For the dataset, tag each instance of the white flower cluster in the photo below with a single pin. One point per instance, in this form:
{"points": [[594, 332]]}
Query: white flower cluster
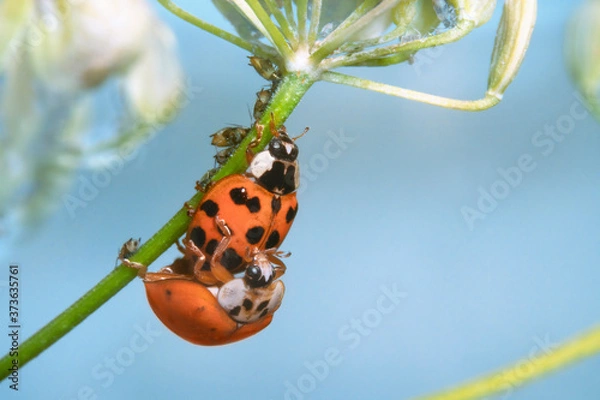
{"points": [[55, 55]]}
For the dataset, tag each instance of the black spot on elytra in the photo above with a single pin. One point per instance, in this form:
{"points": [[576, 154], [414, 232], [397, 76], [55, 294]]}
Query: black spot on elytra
{"points": [[253, 205], [238, 195], [262, 305], [262, 314], [273, 240], [254, 235], [168, 292], [206, 266], [291, 214], [211, 246], [198, 236], [276, 204], [235, 311], [210, 208], [231, 260], [247, 304]]}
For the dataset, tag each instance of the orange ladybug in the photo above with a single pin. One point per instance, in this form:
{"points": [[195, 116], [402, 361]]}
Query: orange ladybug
{"points": [[237, 228], [213, 315], [258, 207]]}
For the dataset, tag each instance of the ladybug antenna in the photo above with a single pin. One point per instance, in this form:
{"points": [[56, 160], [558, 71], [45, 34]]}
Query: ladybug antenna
{"points": [[302, 134]]}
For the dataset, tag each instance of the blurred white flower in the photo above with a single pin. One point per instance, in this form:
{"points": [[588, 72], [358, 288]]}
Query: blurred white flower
{"points": [[582, 48], [54, 54]]}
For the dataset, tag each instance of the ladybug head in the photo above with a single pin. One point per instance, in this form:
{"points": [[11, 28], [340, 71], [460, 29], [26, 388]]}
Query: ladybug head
{"points": [[282, 147], [255, 277], [260, 273]]}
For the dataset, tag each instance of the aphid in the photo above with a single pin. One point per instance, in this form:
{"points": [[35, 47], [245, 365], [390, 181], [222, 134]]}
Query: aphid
{"points": [[262, 101], [265, 68], [229, 136], [223, 155]]}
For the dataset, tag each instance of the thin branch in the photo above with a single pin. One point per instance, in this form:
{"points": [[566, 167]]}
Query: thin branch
{"points": [[488, 101], [284, 24], [302, 10], [349, 28], [289, 12], [461, 29], [509, 378], [249, 14], [315, 20], [377, 41], [258, 49], [386, 61], [269, 29]]}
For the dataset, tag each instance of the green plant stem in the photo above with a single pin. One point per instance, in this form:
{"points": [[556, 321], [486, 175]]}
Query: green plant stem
{"points": [[289, 13], [272, 32], [465, 105], [302, 10], [525, 371], [315, 21], [462, 28], [284, 24], [291, 90], [258, 49], [351, 26]]}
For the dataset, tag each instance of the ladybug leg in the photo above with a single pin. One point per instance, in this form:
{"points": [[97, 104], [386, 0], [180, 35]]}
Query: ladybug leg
{"points": [[259, 132], [218, 270], [282, 254], [278, 265], [249, 255], [191, 248], [142, 269], [178, 270], [180, 247]]}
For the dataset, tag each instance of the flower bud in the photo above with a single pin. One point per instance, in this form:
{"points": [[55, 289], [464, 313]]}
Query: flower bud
{"points": [[512, 40], [82, 43], [479, 11], [418, 17], [13, 14]]}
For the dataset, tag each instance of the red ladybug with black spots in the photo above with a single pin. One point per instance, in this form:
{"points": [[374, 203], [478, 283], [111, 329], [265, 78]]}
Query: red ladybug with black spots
{"points": [[258, 208]]}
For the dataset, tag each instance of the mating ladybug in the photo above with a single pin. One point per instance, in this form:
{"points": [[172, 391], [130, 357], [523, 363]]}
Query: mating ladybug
{"points": [[258, 207], [213, 315], [237, 228], [192, 311]]}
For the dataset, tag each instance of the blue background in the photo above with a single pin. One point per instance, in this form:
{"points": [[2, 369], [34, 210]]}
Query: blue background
{"points": [[387, 212]]}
